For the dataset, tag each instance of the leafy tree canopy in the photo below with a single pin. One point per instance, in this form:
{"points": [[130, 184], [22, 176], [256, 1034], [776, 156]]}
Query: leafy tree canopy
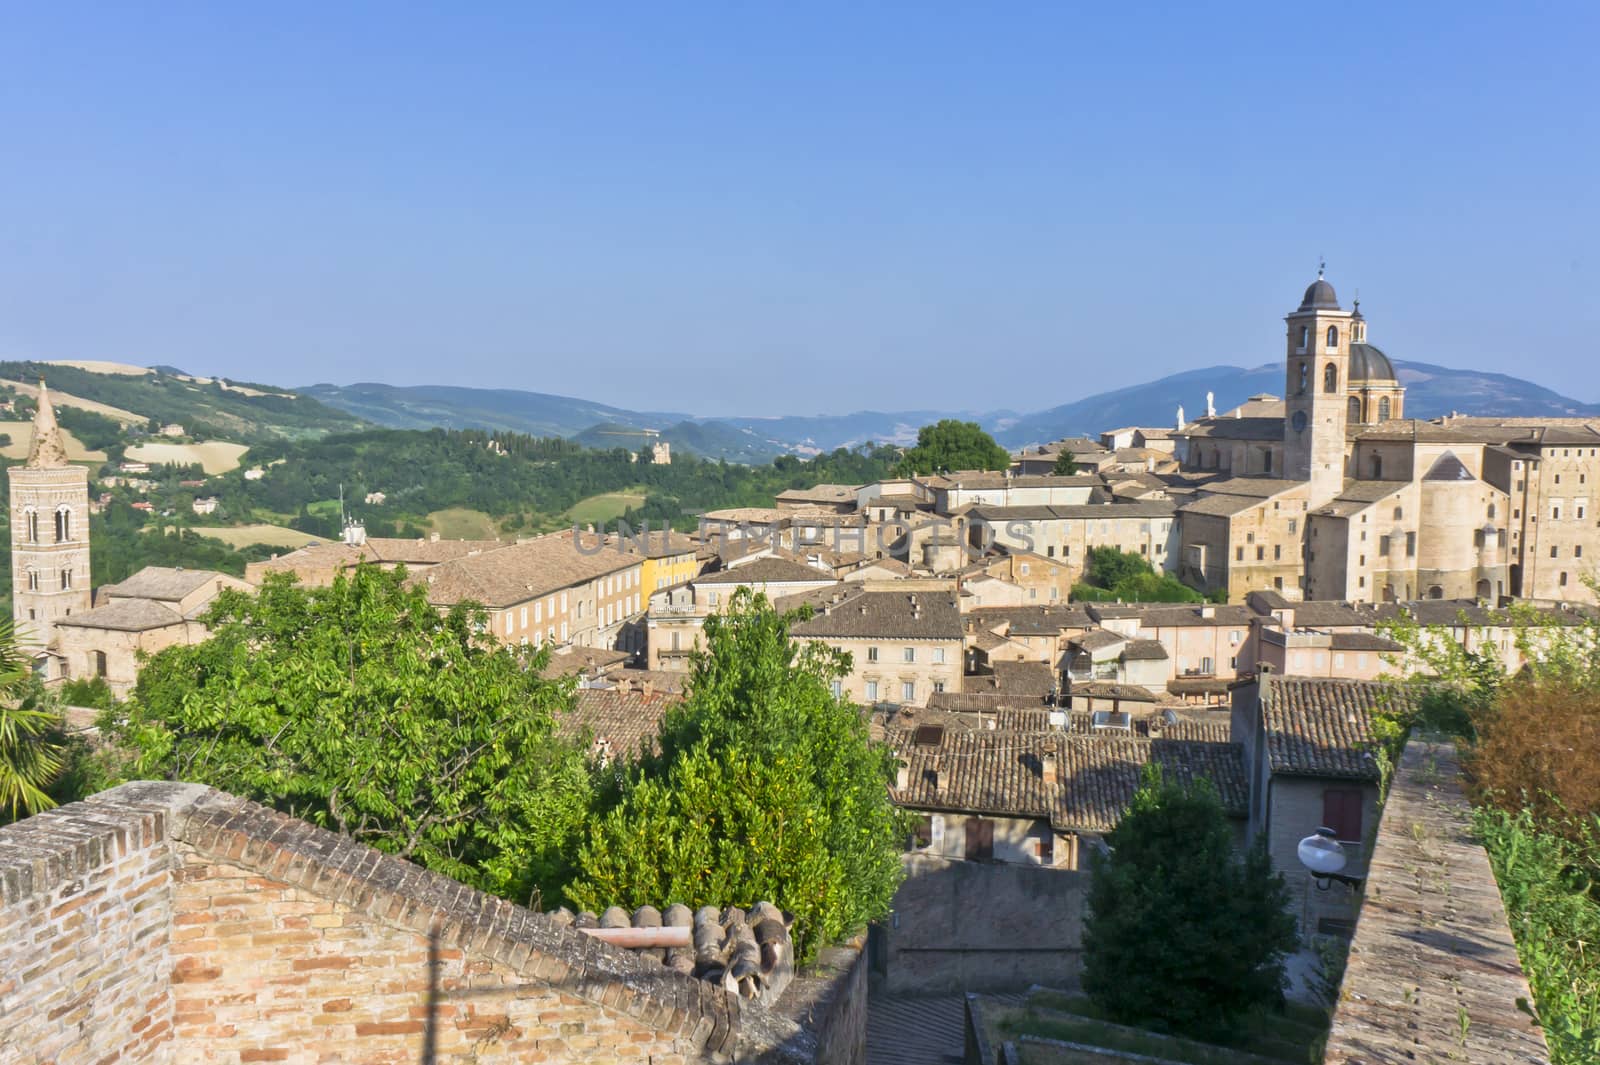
{"points": [[1121, 575], [953, 445], [764, 786], [1182, 929], [1065, 465], [363, 709]]}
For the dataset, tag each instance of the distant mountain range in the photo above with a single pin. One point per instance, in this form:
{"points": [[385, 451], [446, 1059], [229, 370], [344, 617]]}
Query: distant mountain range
{"points": [[249, 412], [1431, 391]]}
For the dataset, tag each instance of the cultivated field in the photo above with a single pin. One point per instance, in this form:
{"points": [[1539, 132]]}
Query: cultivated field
{"points": [[237, 536], [122, 369], [66, 399], [214, 456], [605, 507], [460, 523], [21, 434]]}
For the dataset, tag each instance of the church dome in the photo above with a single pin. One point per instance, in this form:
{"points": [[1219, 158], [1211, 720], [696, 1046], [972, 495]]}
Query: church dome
{"points": [[1320, 297], [1367, 363]]}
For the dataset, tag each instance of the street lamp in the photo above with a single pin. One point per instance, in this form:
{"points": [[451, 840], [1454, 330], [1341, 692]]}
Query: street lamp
{"points": [[1321, 853]]}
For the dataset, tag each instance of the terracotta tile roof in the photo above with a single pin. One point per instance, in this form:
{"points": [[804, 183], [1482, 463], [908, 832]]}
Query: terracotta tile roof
{"points": [[1103, 689], [571, 661], [767, 570], [747, 952], [1030, 620], [1144, 651], [1173, 615], [986, 711], [1318, 727], [524, 571], [1247, 428], [164, 583], [1098, 640], [1001, 773], [617, 720], [894, 615], [125, 615], [423, 552], [1023, 679]]}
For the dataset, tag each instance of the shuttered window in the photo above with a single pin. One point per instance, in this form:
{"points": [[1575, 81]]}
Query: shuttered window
{"points": [[980, 840], [1341, 811]]}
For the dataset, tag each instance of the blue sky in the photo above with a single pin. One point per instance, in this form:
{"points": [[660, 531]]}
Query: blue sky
{"points": [[800, 208]]}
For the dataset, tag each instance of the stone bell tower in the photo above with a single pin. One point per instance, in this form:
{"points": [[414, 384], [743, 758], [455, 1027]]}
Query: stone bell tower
{"points": [[1316, 402], [49, 534]]}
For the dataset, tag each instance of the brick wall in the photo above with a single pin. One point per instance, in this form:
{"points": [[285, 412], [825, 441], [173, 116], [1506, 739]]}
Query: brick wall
{"points": [[265, 971], [173, 923], [85, 906]]}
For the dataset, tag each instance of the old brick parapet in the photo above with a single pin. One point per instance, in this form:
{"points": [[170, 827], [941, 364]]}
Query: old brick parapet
{"points": [[1433, 973], [219, 930]]}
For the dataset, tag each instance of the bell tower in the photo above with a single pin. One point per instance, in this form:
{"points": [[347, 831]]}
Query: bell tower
{"points": [[1316, 400], [49, 534]]}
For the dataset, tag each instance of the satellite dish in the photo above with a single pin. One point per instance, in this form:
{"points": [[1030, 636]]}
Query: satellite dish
{"points": [[1321, 853]]}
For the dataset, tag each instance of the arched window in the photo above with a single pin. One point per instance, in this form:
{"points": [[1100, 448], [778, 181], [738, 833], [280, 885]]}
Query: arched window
{"points": [[1305, 376], [1384, 408], [33, 580], [1330, 378], [1377, 467], [1491, 510], [1355, 409], [1333, 337], [1305, 337], [66, 579], [63, 525], [33, 526]]}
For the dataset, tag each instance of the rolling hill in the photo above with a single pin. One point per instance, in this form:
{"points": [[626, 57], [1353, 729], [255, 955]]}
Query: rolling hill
{"points": [[1431, 391], [208, 407], [452, 407]]}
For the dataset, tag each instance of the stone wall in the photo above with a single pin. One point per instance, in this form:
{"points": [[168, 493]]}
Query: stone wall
{"points": [[980, 926], [1433, 972], [171, 922]]}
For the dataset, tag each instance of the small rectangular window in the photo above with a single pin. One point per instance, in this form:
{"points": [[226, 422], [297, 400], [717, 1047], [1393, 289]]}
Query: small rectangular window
{"points": [[872, 654], [908, 691], [872, 691], [909, 654]]}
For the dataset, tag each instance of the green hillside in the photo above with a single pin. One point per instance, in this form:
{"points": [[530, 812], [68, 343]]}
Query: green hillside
{"points": [[207, 409]]}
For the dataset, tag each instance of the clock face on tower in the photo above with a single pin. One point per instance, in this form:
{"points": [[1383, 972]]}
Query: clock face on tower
{"points": [[1298, 421]]}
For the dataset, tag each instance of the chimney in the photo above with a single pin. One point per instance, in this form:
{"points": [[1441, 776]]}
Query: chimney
{"points": [[433, 538], [1208, 611], [1047, 770], [902, 776]]}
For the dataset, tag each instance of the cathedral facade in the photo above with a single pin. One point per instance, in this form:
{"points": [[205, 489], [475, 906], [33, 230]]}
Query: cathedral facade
{"points": [[1333, 493]]}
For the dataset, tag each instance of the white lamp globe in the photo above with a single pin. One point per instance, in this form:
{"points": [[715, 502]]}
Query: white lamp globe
{"points": [[1321, 853]]}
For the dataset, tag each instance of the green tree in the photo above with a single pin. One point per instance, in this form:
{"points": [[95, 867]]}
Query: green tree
{"points": [[764, 786], [31, 752], [1114, 574], [1065, 465], [363, 709], [1182, 930], [951, 445]]}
